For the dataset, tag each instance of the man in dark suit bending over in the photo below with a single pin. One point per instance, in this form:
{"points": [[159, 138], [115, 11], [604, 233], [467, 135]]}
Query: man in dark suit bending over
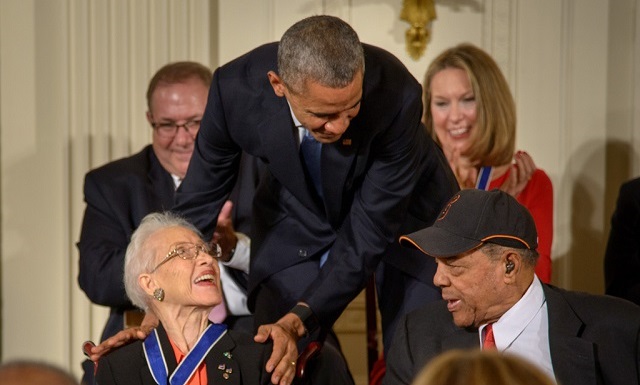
{"points": [[485, 246], [324, 216]]}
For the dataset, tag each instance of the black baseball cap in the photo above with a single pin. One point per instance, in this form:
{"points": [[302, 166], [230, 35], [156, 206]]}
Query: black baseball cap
{"points": [[473, 217]]}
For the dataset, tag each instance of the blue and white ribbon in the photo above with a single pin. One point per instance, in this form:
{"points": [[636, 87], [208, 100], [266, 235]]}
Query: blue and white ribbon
{"points": [[185, 370], [484, 177]]}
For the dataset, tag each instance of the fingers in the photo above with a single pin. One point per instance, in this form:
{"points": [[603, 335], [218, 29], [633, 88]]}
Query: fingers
{"points": [[281, 363], [263, 333], [225, 234], [521, 172], [525, 164], [286, 369], [143, 331], [121, 338], [225, 213], [283, 357], [525, 168], [280, 344]]}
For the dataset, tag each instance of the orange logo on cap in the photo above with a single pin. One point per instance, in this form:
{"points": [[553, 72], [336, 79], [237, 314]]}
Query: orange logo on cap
{"points": [[445, 210]]}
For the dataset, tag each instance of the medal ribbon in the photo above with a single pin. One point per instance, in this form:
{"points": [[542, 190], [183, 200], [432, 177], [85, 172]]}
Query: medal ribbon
{"points": [[158, 364], [484, 177]]}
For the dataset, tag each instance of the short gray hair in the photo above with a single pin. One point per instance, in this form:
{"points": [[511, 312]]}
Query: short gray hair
{"points": [[322, 48], [493, 250], [140, 258]]}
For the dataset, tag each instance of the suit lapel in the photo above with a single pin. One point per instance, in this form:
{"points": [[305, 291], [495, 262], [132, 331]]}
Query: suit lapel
{"points": [[280, 146], [222, 366], [460, 339], [337, 159], [145, 373], [573, 358], [161, 186]]}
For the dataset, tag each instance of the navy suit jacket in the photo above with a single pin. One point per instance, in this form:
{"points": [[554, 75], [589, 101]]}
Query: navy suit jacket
{"points": [[594, 340], [622, 259], [238, 352], [368, 178], [118, 195]]}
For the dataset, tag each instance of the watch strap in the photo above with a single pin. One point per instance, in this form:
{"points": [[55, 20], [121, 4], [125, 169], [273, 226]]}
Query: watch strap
{"points": [[308, 318]]}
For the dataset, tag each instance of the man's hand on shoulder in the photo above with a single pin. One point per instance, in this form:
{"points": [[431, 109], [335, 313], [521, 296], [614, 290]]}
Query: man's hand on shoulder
{"points": [[124, 337]]}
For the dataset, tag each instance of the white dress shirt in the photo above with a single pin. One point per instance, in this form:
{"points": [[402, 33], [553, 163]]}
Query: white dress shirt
{"points": [[524, 329]]}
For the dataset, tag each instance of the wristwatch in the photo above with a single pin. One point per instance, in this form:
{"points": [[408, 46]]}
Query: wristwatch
{"points": [[309, 320]]}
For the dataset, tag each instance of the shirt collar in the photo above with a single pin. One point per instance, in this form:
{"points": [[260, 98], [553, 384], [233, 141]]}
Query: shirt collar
{"points": [[517, 318], [176, 181], [296, 122]]}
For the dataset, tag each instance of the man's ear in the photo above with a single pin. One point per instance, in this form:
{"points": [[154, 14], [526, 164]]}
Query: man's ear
{"points": [[276, 83], [147, 283], [512, 264]]}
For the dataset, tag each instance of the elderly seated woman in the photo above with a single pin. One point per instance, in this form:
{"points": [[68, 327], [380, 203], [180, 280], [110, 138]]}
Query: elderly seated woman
{"points": [[172, 272]]}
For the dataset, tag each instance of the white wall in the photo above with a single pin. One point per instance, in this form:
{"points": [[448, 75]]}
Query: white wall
{"points": [[73, 75]]}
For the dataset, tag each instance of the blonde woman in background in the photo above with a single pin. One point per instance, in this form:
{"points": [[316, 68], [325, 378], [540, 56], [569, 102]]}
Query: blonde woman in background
{"points": [[477, 367], [470, 112]]}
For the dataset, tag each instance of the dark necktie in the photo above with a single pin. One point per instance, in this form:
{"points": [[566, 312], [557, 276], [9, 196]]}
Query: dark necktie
{"points": [[489, 343], [310, 150]]}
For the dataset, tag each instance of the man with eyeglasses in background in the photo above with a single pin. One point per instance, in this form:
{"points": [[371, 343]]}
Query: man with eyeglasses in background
{"points": [[120, 193]]}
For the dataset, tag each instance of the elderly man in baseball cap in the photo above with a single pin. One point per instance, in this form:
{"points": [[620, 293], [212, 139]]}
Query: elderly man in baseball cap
{"points": [[484, 243]]}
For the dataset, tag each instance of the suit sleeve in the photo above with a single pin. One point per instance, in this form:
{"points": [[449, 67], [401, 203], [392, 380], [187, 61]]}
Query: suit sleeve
{"points": [[213, 168], [622, 258], [102, 246]]}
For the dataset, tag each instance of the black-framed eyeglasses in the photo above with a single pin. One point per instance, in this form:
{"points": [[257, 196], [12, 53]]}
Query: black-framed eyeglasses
{"points": [[170, 129], [190, 251]]}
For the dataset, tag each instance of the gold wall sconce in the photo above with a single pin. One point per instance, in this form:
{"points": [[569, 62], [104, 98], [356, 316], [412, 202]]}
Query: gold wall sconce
{"points": [[419, 14]]}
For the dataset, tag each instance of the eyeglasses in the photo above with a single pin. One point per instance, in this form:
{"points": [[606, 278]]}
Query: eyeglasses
{"points": [[170, 129], [189, 251]]}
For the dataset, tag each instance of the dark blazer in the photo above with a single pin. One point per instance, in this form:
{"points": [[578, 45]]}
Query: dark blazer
{"points": [[236, 351], [622, 258], [368, 179], [594, 340], [118, 195]]}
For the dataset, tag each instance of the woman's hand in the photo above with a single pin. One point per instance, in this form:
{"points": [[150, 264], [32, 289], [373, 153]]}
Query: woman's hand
{"points": [[521, 172]]}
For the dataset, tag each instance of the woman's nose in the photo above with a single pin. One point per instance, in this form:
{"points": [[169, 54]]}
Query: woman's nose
{"points": [[455, 113]]}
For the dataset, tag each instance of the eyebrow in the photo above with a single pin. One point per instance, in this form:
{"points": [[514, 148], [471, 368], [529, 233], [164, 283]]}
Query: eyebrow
{"points": [[333, 113], [169, 120]]}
